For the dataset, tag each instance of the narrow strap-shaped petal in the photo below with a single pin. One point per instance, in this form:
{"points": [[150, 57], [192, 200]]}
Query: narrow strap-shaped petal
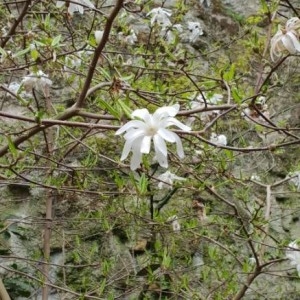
{"points": [[142, 114], [160, 145], [130, 125], [134, 134], [126, 150], [295, 41], [288, 44], [166, 135], [136, 158], [161, 158], [179, 147], [146, 144], [173, 121], [166, 111]]}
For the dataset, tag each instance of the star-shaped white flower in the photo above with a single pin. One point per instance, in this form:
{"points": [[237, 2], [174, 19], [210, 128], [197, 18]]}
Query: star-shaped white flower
{"points": [[286, 39], [294, 255], [73, 7], [220, 140], [211, 101], [167, 179], [195, 30], [160, 16], [39, 81], [140, 133]]}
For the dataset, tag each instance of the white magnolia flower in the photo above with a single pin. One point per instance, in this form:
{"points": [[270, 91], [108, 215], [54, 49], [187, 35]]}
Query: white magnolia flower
{"points": [[220, 140], [168, 33], [199, 103], [175, 223], [39, 81], [98, 35], [295, 179], [139, 134], [195, 30], [130, 39], [73, 7], [294, 255], [286, 39], [160, 16], [167, 179]]}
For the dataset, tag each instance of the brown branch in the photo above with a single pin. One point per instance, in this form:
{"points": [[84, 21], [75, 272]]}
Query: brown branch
{"points": [[245, 287], [15, 24], [80, 101]]}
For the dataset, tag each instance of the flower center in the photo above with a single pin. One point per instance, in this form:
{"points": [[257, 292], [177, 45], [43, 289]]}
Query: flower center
{"points": [[151, 131]]}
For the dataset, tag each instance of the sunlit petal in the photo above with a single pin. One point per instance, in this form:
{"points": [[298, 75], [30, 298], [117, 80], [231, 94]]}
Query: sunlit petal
{"points": [[129, 125], [142, 114], [173, 121], [288, 44], [162, 159], [126, 150], [179, 147], [136, 160], [160, 145], [295, 41], [167, 111], [134, 134], [146, 144], [166, 135]]}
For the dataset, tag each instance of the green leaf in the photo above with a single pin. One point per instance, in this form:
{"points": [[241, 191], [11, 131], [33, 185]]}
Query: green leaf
{"points": [[236, 95], [22, 52], [106, 106], [34, 54], [143, 184], [56, 41], [102, 287], [12, 147], [125, 109], [229, 75]]}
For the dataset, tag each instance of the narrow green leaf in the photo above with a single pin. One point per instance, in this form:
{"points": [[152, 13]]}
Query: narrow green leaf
{"points": [[22, 52], [125, 109], [56, 41], [12, 147], [106, 106]]}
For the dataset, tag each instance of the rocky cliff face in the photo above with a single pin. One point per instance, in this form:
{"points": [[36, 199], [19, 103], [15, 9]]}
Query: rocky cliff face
{"points": [[221, 226]]}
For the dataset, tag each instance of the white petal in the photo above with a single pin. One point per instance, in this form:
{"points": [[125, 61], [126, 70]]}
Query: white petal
{"points": [[146, 144], [160, 145], [173, 121], [162, 159], [130, 144], [179, 147], [130, 125], [295, 41], [167, 111], [166, 135], [133, 134], [288, 44], [141, 113], [136, 160], [126, 150]]}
